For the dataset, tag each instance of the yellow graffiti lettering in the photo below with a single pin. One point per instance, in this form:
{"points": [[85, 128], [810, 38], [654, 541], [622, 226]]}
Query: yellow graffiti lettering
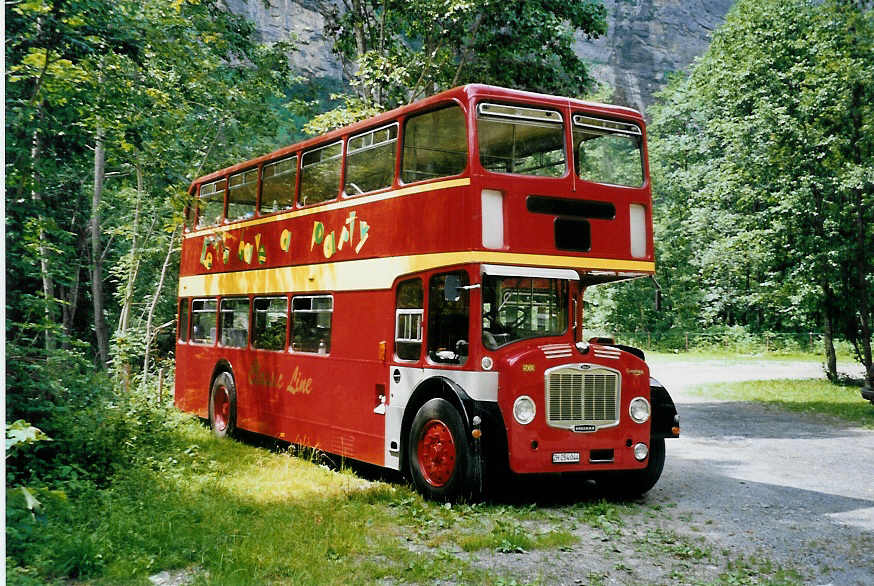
{"points": [[318, 234], [330, 246], [285, 241], [299, 383]]}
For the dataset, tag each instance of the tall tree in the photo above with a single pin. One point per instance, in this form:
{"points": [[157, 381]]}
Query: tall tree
{"points": [[767, 167], [395, 51]]}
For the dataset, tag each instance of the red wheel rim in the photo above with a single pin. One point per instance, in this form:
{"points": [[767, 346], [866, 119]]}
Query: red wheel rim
{"points": [[436, 453], [221, 408]]}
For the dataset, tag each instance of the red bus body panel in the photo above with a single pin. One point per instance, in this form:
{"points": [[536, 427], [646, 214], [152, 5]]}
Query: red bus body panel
{"points": [[357, 248]]}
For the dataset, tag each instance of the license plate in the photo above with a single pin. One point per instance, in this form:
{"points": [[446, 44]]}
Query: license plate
{"points": [[565, 457]]}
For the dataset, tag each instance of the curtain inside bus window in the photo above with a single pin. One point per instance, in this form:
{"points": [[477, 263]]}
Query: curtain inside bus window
{"points": [[435, 145], [242, 190], [203, 321], [524, 141], [320, 174], [271, 316], [311, 323], [370, 160], [408, 319], [608, 151], [235, 322], [183, 320], [211, 203], [448, 327], [277, 185]]}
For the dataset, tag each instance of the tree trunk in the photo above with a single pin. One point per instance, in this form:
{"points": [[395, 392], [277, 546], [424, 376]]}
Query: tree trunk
{"points": [[831, 361], [100, 329], [124, 316], [862, 286], [154, 303], [48, 285]]}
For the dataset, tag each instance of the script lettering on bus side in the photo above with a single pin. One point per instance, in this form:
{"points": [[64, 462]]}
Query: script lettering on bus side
{"points": [[332, 243], [299, 383], [260, 377]]}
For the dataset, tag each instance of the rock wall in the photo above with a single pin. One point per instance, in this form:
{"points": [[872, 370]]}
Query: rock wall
{"points": [[646, 40]]}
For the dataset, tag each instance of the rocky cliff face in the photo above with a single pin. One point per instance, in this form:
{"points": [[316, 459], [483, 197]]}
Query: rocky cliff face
{"points": [[646, 40]]}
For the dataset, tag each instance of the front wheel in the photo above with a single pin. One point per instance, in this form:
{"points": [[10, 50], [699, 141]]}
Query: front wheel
{"points": [[439, 457], [223, 405], [637, 482]]}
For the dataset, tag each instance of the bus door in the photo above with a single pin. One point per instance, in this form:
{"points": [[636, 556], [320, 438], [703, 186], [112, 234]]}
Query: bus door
{"points": [[428, 337]]}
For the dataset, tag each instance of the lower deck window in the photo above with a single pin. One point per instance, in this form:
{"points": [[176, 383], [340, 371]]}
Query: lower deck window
{"points": [[235, 322], [271, 318], [203, 321], [311, 323]]}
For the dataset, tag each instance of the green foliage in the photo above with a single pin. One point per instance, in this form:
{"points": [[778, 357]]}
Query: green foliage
{"points": [[396, 52], [762, 162]]}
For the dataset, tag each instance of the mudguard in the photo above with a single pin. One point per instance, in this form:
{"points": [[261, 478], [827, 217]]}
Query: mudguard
{"points": [[665, 419]]}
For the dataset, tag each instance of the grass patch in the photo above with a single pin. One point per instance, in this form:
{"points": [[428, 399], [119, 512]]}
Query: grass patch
{"points": [[806, 396]]}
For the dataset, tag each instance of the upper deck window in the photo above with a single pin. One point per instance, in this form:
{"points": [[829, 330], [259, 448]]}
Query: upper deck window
{"points": [[370, 160], [277, 185], [435, 145], [211, 205], [320, 173], [608, 151], [242, 191], [524, 141]]}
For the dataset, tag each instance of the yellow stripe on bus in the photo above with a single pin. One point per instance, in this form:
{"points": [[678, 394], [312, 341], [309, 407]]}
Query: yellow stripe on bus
{"points": [[379, 273], [344, 203]]}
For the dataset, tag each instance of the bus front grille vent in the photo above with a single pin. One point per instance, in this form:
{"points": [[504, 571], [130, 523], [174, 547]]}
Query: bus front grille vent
{"points": [[582, 400]]}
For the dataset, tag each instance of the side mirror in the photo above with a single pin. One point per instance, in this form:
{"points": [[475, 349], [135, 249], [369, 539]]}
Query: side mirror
{"points": [[451, 288], [658, 293]]}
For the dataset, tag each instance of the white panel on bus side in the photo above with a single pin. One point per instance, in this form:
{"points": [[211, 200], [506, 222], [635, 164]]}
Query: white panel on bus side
{"points": [[480, 386]]}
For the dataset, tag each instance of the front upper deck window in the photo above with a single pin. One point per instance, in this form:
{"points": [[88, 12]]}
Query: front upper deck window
{"points": [[523, 141], [515, 308], [608, 151], [435, 145], [211, 204], [320, 173]]}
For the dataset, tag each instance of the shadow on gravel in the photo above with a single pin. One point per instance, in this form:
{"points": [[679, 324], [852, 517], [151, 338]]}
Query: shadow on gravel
{"points": [[756, 420]]}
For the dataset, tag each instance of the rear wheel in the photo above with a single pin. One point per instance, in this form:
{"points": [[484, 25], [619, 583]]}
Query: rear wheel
{"points": [[439, 457], [223, 405]]}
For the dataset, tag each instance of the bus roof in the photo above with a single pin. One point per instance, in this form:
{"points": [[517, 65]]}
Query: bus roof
{"points": [[464, 93]]}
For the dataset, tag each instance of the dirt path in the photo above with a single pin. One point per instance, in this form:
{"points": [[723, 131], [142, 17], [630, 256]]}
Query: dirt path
{"points": [[791, 487], [745, 483]]}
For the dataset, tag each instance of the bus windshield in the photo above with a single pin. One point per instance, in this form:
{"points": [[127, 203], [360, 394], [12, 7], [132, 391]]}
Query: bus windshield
{"points": [[515, 308]]}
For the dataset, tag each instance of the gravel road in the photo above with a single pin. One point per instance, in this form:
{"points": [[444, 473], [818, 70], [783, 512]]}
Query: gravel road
{"points": [[747, 490], [791, 487]]}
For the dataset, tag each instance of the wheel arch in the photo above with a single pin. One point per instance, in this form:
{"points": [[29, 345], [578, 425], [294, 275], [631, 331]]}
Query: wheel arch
{"points": [[223, 365], [436, 387], [664, 413]]}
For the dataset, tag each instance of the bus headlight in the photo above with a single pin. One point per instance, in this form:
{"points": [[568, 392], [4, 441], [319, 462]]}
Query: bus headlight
{"points": [[524, 410], [639, 409]]}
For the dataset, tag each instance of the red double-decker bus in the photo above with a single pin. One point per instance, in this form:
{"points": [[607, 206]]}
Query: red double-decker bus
{"points": [[407, 291]]}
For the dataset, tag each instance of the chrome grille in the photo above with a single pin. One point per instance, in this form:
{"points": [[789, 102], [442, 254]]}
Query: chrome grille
{"points": [[576, 397]]}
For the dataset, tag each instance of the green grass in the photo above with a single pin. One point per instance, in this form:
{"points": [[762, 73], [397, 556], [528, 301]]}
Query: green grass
{"points": [[807, 396]]}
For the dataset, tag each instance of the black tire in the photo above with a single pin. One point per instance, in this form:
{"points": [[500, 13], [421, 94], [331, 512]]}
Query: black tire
{"points": [[223, 406], [440, 471], [633, 484]]}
